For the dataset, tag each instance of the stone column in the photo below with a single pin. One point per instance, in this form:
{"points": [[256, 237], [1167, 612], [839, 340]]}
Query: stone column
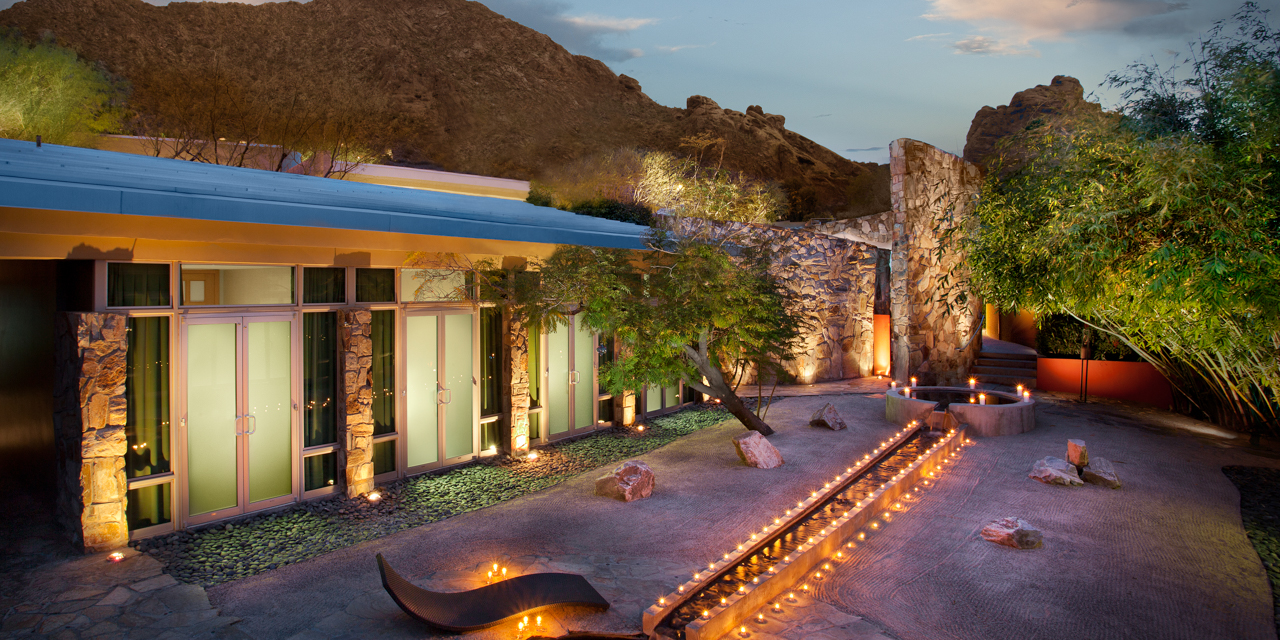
{"points": [[89, 423], [624, 409], [357, 391], [515, 383], [931, 189]]}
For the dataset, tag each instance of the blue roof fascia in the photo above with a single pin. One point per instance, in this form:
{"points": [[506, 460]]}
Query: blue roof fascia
{"points": [[71, 179]]}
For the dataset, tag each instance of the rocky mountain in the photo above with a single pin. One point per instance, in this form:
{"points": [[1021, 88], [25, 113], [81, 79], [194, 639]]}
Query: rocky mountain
{"points": [[1062, 96], [465, 88]]}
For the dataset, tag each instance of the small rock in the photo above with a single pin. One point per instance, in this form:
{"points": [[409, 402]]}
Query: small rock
{"points": [[1012, 532], [631, 480], [1101, 471], [1077, 454], [756, 451], [827, 417], [1051, 470]]}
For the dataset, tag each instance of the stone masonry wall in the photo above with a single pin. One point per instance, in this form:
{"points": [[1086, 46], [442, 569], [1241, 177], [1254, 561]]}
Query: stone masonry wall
{"points": [[834, 281], [356, 351], [875, 229], [928, 342], [515, 382], [89, 422]]}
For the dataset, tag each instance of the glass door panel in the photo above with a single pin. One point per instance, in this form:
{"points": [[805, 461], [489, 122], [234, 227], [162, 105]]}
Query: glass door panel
{"points": [[558, 381], [671, 396], [652, 399], [422, 389], [459, 415], [268, 423], [584, 359], [211, 417]]}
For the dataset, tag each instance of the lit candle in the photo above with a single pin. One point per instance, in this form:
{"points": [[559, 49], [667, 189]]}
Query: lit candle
{"points": [[973, 383], [893, 384], [1019, 389], [982, 398], [972, 400], [1026, 394], [913, 381], [116, 556]]}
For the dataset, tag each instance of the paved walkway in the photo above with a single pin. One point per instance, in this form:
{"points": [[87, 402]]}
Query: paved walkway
{"points": [[632, 553], [48, 590], [1163, 557]]}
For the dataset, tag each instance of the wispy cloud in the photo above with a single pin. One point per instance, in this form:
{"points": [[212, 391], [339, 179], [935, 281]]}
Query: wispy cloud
{"points": [[1012, 25], [928, 36], [984, 46], [864, 150], [682, 47], [580, 34], [605, 23]]}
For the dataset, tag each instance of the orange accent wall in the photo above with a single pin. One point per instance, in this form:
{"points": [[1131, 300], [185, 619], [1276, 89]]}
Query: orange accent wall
{"points": [[1132, 381], [880, 343]]}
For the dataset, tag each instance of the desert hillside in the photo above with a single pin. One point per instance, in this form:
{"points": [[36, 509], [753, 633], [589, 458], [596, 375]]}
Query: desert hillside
{"points": [[465, 88]]}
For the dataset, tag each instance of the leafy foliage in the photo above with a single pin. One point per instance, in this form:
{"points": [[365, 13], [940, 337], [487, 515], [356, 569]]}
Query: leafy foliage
{"points": [[204, 113], [1060, 336], [1159, 227], [46, 90]]}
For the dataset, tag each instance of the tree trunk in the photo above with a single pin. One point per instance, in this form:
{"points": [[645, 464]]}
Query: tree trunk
{"points": [[716, 387], [749, 419]]}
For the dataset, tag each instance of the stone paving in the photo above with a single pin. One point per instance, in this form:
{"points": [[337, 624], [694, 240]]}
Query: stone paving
{"points": [[92, 597], [1163, 557]]}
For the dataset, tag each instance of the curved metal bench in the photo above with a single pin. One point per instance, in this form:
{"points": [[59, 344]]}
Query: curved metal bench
{"points": [[491, 604]]}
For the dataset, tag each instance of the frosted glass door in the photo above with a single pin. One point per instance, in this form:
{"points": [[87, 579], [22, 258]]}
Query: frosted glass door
{"points": [[584, 359], [211, 417], [671, 396], [652, 398], [422, 389], [269, 410], [558, 381], [459, 386]]}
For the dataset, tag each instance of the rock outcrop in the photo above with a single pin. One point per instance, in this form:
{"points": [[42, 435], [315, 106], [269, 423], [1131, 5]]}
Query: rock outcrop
{"points": [[827, 417], [1061, 97], [755, 451], [465, 88], [1012, 532], [1101, 472], [1077, 453], [631, 480], [1051, 470]]}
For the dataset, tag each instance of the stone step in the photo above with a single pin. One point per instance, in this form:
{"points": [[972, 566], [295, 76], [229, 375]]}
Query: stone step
{"points": [[995, 355], [1029, 365], [982, 373], [1012, 381]]}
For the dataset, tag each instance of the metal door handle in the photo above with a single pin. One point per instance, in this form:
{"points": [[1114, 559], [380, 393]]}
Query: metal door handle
{"points": [[444, 396], [575, 377], [255, 425]]}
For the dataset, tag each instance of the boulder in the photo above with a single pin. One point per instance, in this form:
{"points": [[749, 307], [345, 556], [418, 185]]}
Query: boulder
{"points": [[1077, 454], [756, 451], [1051, 470], [827, 417], [631, 480], [1100, 471], [1012, 532]]}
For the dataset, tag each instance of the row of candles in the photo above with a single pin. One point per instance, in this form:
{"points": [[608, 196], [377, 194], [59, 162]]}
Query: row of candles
{"points": [[981, 398], [813, 496], [776, 607]]}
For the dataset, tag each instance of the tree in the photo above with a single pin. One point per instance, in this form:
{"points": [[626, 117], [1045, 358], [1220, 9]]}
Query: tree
{"points": [[203, 114], [1159, 226], [684, 311], [45, 90]]}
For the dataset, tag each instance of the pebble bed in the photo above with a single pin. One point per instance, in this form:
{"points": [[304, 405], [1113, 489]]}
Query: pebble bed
{"points": [[259, 543], [1260, 510]]}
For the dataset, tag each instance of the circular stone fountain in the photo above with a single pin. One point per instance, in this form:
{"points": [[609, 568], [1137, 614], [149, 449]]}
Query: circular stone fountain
{"points": [[1003, 414]]}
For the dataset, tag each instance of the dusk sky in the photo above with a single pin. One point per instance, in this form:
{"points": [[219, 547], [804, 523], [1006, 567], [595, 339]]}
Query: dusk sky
{"points": [[854, 76]]}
